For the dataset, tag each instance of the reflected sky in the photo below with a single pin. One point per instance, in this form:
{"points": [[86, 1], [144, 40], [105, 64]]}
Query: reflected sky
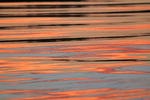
{"points": [[75, 50]]}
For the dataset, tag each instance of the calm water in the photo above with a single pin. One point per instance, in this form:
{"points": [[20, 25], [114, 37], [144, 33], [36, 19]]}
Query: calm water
{"points": [[81, 50]]}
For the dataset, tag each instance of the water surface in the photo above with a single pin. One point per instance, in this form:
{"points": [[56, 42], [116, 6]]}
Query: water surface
{"points": [[75, 50]]}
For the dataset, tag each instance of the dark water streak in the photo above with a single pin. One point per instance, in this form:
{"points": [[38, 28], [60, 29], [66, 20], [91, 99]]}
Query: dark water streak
{"points": [[71, 6], [82, 14], [74, 39]]}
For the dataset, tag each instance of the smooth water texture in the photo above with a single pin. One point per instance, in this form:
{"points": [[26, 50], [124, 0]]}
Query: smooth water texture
{"points": [[75, 50]]}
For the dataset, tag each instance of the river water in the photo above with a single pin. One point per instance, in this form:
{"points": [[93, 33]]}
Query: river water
{"points": [[75, 50]]}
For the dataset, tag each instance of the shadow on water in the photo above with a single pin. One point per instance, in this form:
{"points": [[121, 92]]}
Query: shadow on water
{"points": [[70, 6], [74, 39], [83, 14]]}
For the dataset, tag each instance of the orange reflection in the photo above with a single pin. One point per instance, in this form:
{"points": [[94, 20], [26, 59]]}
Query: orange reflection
{"points": [[28, 20], [47, 20], [108, 70], [6, 46], [91, 57], [45, 3], [127, 8], [93, 94], [7, 76], [48, 81], [120, 52], [44, 65], [23, 91], [8, 80], [119, 28], [31, 3], [34, 35]]}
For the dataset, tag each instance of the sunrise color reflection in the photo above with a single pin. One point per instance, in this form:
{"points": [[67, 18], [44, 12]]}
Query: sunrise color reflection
{"points": [[75, 50]]}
